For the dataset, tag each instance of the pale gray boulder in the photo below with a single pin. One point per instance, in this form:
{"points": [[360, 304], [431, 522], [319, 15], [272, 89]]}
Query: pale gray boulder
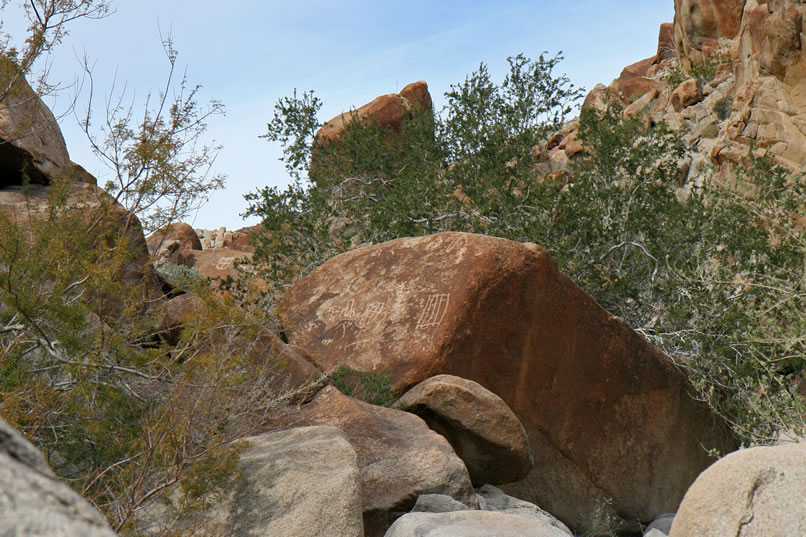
{"points": [[297, 483], [34, 502], [471, 524]]}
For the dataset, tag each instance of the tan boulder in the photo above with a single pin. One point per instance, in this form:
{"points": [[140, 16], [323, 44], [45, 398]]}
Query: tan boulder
{"points": [[294, 483], [607, 414], [600, 97], [30, 139], [390, 111], [398, 455], [479, 425], [757, 492], [686, 94]]}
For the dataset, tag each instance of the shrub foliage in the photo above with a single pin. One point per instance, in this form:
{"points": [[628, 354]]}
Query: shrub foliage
{"points": [[713, 274]]}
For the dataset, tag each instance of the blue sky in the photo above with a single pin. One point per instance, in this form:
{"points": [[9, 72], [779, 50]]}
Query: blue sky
{"points": [[251, 53]]}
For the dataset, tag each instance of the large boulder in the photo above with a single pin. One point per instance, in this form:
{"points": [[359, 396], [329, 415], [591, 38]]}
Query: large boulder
{"points": [[34, 502], [399, 457], [757, 492], [31, 142], [479, 425], [390, 111], [471, 524], [294, 483], [610, 419]]}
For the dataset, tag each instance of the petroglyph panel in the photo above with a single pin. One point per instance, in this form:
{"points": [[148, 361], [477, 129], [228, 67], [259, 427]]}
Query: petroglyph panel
{"points": [[434, 311], [224, 263]]}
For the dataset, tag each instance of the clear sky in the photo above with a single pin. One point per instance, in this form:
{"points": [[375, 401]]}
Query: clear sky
{"points": [[249, 53]]}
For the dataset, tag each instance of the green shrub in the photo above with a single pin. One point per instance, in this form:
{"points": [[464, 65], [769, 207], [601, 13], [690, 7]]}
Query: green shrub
{"points": [[715, 280], [723, 107], [370, 387]]}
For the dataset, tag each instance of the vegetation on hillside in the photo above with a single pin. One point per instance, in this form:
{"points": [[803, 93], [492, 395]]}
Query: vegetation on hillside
{"points": [[128, 413], [714, 276]]}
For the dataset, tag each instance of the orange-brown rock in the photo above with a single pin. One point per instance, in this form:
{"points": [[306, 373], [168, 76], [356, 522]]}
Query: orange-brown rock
{"points": [[165, 242], [636, 87], [242, 238], [607, 414], [634, 82], [398, 455], [686, 94], [286, 368], [600, 97], [215, 263], [479, 425], [390, 111]]}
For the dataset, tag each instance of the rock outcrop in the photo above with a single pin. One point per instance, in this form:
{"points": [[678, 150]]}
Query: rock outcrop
{"points": [[608, 416], [479, 425], [699, 24], [755, 492], [390, 111], [34, 502]]}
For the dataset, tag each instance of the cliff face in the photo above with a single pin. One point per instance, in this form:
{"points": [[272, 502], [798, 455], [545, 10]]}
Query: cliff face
{"points": [[732, 73]]}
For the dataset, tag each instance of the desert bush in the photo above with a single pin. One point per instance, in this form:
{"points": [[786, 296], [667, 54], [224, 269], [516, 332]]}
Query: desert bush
{"points": [[712, 275]]}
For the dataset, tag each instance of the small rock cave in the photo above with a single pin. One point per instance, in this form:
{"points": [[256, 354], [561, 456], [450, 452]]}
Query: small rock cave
{"points": [[17, 168]]}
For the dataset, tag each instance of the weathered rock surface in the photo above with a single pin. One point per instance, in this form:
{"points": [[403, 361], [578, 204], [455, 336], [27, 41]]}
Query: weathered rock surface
{"points": [[388, 110], [686, 94], [33, 502], [757, 492], [399, 457], [30, 139], [494, 499], [479, 425], [470, 524], [215, 263], [295, 483], [607, 414]]}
